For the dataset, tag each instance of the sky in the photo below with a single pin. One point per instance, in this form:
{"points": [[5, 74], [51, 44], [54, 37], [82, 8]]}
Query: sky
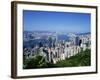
{"points": [[56, 21]]}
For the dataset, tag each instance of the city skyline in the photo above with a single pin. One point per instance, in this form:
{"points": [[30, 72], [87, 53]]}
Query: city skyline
{"points": [[56, 21]]}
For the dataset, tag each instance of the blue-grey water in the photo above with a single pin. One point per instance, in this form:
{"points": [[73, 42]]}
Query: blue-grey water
{"points": [[32, 43]]}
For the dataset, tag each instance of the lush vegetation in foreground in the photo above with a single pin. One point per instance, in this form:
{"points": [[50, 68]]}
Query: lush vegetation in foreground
{"points": [[81, 59]]}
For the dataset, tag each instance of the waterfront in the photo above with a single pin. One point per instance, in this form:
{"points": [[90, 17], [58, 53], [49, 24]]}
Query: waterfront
{"points": [[53, 47]]}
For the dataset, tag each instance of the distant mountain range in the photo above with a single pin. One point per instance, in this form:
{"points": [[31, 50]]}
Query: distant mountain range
{"points": [[39, 32], [83, 33], [57, 32]]}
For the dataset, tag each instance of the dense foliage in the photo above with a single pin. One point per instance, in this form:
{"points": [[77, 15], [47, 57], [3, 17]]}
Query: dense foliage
{"points": [[81, 59]]}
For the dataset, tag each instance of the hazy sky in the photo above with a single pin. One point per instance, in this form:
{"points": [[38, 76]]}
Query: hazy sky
{"points": [[56, 21]]}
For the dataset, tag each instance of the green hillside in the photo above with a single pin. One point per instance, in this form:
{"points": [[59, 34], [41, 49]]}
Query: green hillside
{"points": [[81, 59]]}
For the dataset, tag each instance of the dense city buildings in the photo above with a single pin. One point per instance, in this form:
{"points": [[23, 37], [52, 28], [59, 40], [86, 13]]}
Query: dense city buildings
{"points": [[54, 46]]}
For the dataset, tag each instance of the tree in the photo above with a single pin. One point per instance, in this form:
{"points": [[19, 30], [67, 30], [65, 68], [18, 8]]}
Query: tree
{"points": [[35, 62]]}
